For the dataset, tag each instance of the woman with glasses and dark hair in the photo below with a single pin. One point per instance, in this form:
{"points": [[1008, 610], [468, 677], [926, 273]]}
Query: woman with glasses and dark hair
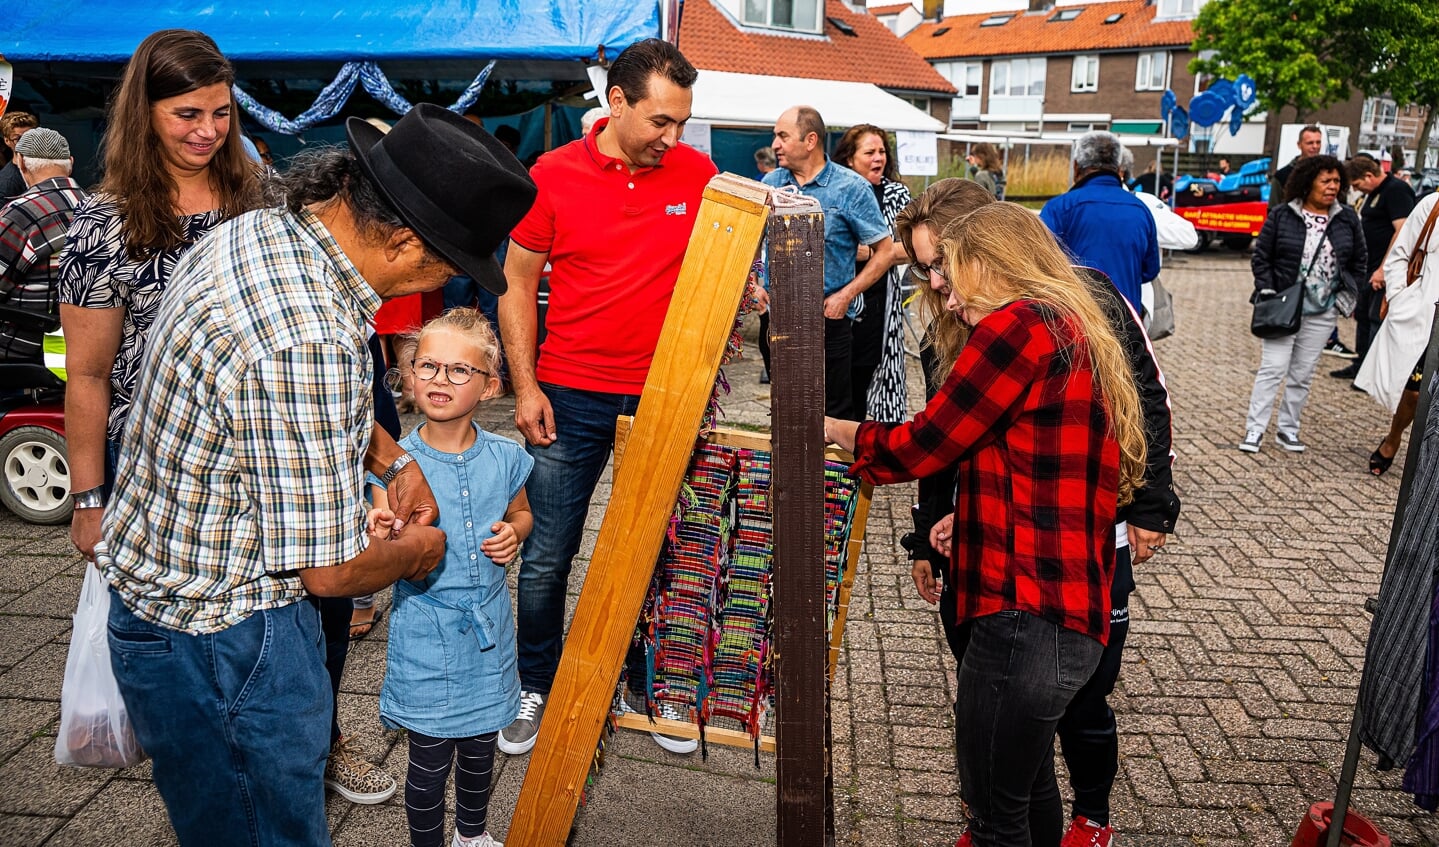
{"points": [[877, 354], [1315, 241]]}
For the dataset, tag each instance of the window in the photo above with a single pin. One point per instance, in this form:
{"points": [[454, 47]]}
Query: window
{"points": [[967, 77], [1178, 8], [996, 20], [1085, 126], [801, 15], [1114, 18], [1086, 74], [1017, 78], [1152, 73], [1065, 15]]}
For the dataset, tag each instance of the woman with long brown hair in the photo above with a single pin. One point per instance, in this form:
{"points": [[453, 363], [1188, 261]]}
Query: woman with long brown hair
{"points": [[171, 175], [877, 353], [1041, 412], [987, 168]]}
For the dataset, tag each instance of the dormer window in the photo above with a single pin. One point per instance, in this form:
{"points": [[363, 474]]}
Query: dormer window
{"points": [[996, 20], [797, 15], [1178, 9], [1065, 15]]}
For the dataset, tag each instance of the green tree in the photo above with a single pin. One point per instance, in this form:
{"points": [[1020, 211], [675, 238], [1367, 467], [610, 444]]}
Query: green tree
{"points": [[1400, 56]]}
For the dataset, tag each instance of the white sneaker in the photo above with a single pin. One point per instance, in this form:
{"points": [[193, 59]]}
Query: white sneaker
{"points": [[1250, 444], [668, 711], [519, 737], [485, 840], [1290, 442]]}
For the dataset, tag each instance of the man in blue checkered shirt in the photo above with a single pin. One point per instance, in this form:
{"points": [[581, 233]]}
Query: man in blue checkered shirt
{"points": [[239, 490]]}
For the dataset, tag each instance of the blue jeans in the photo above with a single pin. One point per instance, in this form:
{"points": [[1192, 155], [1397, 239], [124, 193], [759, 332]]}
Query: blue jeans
{"points": [[237, 723], [1018, 674], [559, 488]]}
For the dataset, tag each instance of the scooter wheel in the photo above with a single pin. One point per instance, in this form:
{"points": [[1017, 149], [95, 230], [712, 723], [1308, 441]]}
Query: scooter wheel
{"points": [[35, 475]]}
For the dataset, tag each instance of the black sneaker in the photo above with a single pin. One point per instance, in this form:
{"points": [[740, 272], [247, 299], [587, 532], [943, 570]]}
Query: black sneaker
{"points": [[1290, 442], [1337, 348], [519, 737], [1346, 372]]}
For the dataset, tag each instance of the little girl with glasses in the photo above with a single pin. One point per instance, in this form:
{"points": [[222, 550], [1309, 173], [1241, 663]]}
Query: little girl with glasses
{"points": [[451, 678]]}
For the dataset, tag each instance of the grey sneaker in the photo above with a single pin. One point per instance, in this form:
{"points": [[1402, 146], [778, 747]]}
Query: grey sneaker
{"points": [[519, 737], [1250, 444], [672, 743], [1289, 442]]}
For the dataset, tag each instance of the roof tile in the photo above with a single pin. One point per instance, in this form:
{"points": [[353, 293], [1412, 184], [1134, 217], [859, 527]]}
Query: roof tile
{"points": [[712, 40], [963, 37]]}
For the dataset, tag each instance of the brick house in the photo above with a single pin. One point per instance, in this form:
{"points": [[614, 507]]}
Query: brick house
{"points": [[1077, 66], [786, 40]]}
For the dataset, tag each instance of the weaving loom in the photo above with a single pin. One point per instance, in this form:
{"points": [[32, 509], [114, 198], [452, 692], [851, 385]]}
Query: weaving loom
{"points": [[706, 623]]}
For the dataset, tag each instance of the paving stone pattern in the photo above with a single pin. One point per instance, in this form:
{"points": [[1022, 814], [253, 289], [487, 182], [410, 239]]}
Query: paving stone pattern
{"points": [[1234, 703]]}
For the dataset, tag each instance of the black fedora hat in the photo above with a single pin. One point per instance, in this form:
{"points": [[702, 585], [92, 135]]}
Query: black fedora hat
{"points": [[457, 187]]}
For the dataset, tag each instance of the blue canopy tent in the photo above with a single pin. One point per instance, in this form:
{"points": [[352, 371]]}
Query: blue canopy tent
{"points": [[304, 42], [334, 30]]}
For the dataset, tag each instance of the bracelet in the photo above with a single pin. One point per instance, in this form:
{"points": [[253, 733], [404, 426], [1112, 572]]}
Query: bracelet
{"points": [[395, 467], [90, 498]]}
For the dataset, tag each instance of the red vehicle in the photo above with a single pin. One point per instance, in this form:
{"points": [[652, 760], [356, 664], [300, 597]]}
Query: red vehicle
{"points": [[34, 468], [1231, 209]]}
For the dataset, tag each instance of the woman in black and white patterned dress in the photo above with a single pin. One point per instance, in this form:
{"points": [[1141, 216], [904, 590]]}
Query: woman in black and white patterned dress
{"points": [[172, 174], [878, 374]]}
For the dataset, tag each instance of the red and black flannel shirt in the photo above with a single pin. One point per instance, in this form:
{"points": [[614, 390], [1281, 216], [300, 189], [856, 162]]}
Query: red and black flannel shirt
{"points": [[1038, 473], [32, 234]]}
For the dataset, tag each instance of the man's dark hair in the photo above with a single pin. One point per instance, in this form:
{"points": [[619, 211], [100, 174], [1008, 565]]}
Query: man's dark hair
{"points": [[321, 175], [1301, 179], [643, 59], [1361, 166], [807, 120], [508, 136], [1310, 128]]}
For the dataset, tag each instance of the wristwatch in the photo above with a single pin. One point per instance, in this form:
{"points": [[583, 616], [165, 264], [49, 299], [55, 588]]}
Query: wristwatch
{"points": [[395, 467], [90, 498]]}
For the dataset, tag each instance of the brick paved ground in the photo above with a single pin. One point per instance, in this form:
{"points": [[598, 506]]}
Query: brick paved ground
{"points": [[1234, 702]]}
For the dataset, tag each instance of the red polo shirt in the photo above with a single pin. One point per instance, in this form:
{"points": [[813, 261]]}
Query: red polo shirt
{"points": [[615, 241]]}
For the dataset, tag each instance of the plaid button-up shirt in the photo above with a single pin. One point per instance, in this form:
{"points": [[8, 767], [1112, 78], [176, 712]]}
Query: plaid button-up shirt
{"points": [[32, 234], [1037, 483], [241, 462]]}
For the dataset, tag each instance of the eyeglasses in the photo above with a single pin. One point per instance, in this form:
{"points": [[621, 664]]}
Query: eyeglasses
{"points": [[922, 271], [457, 374]]}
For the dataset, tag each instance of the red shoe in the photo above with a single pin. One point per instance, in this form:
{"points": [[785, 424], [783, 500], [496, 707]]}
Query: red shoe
{"points": [[966, 840], [1084, 832]]}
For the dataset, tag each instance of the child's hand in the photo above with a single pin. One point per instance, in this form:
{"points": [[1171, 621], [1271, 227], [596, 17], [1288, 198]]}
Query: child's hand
{"points": [[504, 545], [381, 524]]}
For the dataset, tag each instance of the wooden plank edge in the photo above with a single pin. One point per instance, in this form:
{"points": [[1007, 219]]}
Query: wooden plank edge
{"points": [[727, 437], [683, 729]]}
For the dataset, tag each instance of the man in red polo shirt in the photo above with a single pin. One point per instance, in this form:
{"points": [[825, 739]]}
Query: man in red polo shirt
{"points": [[613, 218]]}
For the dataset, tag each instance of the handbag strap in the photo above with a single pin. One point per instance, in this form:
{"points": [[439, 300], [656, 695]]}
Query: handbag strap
{"points": [[1416, 259]]}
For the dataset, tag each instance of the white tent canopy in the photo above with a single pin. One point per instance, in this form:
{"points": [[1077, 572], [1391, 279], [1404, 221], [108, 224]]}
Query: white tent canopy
{"points": [[1053, 139], [729, 99]]}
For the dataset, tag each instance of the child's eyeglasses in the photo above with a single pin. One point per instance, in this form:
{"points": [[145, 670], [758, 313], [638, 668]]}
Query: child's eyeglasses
{"points": [[457, 374]]}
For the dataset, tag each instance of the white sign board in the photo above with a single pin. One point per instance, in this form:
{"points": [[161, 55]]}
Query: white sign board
{"points": [[918, 153], [697, 135]]}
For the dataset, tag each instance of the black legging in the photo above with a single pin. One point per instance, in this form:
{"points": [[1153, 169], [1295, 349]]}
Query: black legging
{"points": [[430, 760]]}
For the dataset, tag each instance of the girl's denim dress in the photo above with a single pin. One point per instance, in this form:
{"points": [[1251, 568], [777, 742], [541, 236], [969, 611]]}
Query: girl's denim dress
{"points": [[451, 667]]}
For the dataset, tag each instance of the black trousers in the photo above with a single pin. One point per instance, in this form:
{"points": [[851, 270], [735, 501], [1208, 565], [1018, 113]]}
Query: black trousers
{"points": [[335, 623], [1366, 319], [430, 761], [1088, 734]]}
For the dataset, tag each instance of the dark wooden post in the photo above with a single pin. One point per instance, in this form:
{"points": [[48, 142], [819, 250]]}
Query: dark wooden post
{"points": [[805, 792]]}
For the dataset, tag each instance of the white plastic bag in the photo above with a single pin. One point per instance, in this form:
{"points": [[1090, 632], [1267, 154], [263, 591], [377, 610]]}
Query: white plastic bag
{"points": [[95, 729]]}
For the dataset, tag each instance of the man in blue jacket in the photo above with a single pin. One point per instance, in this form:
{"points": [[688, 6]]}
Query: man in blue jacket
{"points": [[1102, 225]]}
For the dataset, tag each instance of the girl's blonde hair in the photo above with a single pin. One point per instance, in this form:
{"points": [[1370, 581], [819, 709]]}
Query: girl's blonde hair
{"points": [[475, 328], [1013, 256], [941, 203]]}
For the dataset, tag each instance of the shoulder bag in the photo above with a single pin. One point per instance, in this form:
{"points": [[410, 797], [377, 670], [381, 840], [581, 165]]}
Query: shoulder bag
{"points": [[1415, 268]]}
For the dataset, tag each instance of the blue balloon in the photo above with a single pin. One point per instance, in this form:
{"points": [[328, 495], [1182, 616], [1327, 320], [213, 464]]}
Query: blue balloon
{"points": [[1167, 104], [1245, 91], [1207, 109], [1223, 89], [1179, 123], [1236, 120]]}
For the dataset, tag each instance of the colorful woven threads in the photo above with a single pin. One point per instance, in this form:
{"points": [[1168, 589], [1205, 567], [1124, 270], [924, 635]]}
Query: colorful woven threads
{"points": [[707, 623]]}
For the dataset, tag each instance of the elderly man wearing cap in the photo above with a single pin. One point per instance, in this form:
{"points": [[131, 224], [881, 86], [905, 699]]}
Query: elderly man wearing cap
{"points": [[32, 233], [242, 486]]}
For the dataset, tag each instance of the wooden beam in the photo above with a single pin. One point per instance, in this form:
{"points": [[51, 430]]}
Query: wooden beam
{"points": [[805, 790], [726, 437], [728, 228], [684, 729]]}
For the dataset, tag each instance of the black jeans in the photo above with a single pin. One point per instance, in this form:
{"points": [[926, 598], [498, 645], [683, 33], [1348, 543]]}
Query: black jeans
{"points": [[335, 623], [838, 358], [1017, 675], [1088, 736]]}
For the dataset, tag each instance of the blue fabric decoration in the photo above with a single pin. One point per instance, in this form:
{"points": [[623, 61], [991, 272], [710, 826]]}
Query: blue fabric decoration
{"points": [[1207, 109], [1223, 89], [334, 96], [1179, 123], [1245, 91]]}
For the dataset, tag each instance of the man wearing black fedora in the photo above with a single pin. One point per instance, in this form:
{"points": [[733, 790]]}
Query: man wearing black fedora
{"points": [[241, 490]]}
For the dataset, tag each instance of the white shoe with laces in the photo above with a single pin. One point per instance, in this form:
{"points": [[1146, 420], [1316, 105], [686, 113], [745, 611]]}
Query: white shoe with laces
{"points": [[483, 840], [669, 711]]}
